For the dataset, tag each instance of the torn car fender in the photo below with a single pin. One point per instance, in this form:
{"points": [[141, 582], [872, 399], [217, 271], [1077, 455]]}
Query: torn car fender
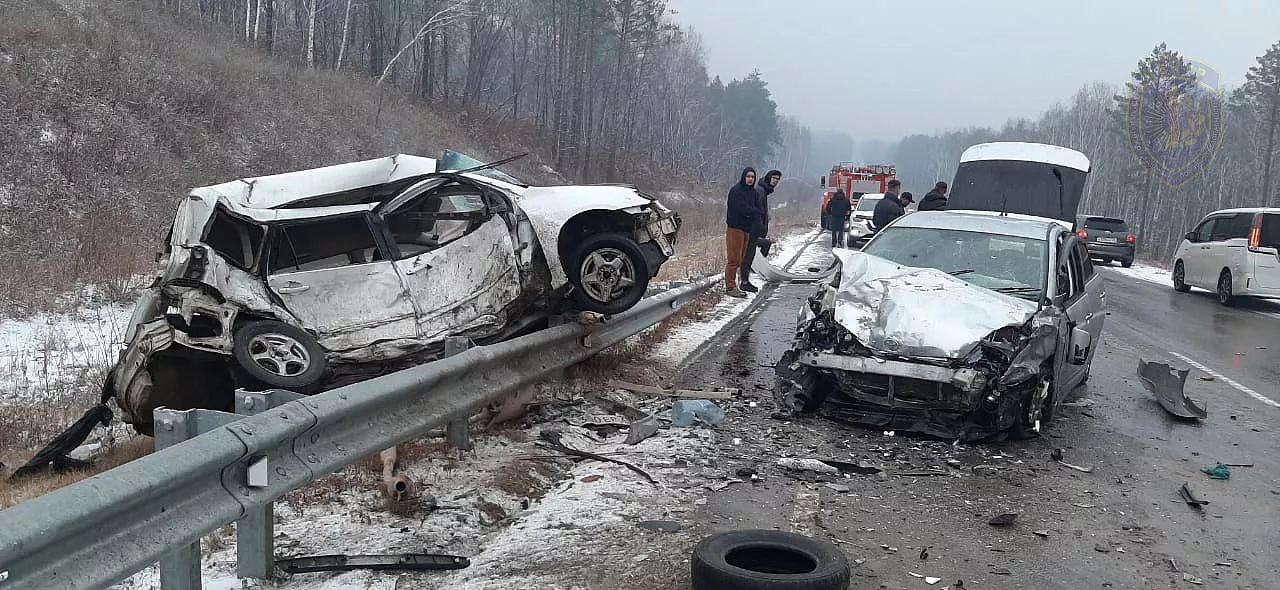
{"points": [[550, 208]]}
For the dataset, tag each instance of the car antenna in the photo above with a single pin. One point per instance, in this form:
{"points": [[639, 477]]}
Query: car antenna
{"points": [[492, 164]]}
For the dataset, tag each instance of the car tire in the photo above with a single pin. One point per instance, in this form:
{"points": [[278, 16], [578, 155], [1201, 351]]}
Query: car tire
{"points": [[1180, 278], [1024, 427], [767, 560], [1226, 292], [1127, 262], [621, 259], [277, 354]]}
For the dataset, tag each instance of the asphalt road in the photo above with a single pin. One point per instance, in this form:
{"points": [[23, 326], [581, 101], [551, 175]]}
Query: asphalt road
{"points": [[1119, 526]]}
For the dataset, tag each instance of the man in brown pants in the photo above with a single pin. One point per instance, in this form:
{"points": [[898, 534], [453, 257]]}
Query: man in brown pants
{"points": [[742, 213]]}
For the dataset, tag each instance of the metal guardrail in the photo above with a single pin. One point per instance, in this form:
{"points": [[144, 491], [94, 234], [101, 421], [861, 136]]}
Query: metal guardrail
{"points": [[223, 468]]}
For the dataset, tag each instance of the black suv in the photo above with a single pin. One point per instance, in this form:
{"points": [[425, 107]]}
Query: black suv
{"points": [[1107, 238]]}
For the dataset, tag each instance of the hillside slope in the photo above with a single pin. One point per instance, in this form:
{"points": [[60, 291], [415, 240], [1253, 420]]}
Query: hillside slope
{"points": [[110, 111]]}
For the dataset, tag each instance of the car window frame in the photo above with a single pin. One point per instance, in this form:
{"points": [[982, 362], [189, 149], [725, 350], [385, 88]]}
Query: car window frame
{"points": [[1233, 223], [492, 206], [1201, 236], [275, 229]]}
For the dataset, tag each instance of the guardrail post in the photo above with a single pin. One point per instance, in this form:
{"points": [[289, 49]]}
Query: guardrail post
{"points": [[180, 567], [456, 432], [255, 532]]}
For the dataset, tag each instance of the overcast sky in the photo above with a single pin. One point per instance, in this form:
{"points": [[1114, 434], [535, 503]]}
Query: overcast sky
{"points": [[884, 69]]}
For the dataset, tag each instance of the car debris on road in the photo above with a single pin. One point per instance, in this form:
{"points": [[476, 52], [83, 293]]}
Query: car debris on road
{"points": [[1168, 384]]}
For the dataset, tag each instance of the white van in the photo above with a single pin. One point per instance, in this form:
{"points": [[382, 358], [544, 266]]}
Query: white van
{"points": [[1233, 252]]}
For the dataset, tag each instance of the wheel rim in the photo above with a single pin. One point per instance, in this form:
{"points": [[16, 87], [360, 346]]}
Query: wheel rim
{"points": [[606, 273], [1224, 288], [279, 354], [1177, 275]]}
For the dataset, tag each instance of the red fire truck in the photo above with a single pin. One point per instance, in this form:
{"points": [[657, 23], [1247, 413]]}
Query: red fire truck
{"points": [[856, 180]]}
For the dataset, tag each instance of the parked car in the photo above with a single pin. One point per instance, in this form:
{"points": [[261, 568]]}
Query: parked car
{"points": [[860, 229], [1107, 238], [306, 279], [1233, 252], [958, 324]]}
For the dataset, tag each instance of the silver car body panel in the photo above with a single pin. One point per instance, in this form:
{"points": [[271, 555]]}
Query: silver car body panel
{"points": [[918, 312]]}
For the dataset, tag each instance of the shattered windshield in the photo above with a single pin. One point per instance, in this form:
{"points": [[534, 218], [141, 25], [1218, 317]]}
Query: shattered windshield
{"points": [[1008, 264]]}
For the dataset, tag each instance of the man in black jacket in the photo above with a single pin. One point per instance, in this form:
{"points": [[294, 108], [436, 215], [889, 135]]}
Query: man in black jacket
{"points": [[838, 209], [889, 208], [936, 200], [742, 213], [764, 188]]}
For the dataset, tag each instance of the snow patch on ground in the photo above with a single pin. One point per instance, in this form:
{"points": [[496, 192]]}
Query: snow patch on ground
{"points": [[1143, 272], [684, 340], [48, 353]]}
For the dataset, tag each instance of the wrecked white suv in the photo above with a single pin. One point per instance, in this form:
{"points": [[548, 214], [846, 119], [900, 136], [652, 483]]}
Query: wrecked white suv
{"points": [[310, 279], [956, 324]]}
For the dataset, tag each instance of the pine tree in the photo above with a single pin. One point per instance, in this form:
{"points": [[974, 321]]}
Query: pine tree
{"points": [[1261, 94], [1161, 81]]}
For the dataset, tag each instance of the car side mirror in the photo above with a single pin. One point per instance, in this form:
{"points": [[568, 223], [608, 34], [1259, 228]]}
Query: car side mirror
{"points": [[1081, 341], [1192, 236]]}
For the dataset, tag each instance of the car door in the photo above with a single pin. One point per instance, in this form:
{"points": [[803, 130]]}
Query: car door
{"points": [[453, 248], [1195, 261], [327, 272], [1072, 295], [1095, 298], [1228, 247]]}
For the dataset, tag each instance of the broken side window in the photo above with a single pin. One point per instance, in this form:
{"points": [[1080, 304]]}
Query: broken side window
{"points": [[437, 218], [236, 240], [322, 243]]}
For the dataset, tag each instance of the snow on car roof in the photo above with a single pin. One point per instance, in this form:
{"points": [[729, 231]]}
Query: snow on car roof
{"points": [[1027, 152], [990, 222], [267, 192]]}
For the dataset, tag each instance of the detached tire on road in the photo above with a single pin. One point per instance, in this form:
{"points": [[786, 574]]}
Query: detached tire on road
{"points": [[767, 560], [609, 273], [279, 355]]}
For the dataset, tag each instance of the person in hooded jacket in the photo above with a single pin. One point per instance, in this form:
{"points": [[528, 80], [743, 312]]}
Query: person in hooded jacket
{"points": [[936, 199], [837, 211], [742, 213], [760, 232]]}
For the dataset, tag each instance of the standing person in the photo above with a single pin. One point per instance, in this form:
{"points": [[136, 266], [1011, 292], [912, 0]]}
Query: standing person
{"points": [[906, 199], [890, 207], [837, 216], [741, 215], [936, 199], [764, 188]]}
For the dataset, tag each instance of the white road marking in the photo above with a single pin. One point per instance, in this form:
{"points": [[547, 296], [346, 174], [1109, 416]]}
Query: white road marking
{"points": [[1251, 393]]}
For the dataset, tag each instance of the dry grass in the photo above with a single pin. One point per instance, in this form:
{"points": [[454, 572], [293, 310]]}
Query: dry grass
{"points": [[12, 492]]}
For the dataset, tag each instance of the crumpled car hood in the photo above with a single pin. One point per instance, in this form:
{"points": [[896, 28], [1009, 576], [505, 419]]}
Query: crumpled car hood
{"points": [[918, 312]]}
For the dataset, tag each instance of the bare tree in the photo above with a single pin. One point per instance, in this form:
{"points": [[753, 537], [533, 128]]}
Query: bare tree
{"points": [[449, 15]]}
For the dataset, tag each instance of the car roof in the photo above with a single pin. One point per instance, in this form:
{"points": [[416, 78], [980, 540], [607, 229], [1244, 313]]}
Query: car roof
{"points": [[277, 190], [1247, 210], [872, 196], [990, 222]]}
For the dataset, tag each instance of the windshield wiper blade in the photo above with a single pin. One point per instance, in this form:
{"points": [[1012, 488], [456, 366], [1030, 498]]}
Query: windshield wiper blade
{"points": [[960, 272], [1017, 289]]}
